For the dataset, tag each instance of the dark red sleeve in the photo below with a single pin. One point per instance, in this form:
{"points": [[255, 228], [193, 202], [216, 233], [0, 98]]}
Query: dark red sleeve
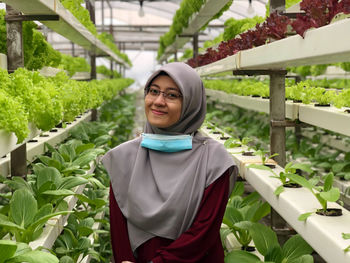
{"points": [[119, 232], [204, 233]]}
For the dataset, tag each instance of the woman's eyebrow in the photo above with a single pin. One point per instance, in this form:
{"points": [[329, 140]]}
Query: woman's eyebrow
{"points": [[168, 88]]}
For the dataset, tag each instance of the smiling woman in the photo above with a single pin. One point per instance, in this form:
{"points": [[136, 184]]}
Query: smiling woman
{"points": [[163, 111], [169, 187]]}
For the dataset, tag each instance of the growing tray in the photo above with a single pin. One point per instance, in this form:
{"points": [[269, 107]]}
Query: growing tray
{"points": [[67, 25], [34, 149], [251, 103], [324, 45], [208, 10]]}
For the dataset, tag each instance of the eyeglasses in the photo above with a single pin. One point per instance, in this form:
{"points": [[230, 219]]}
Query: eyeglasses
{"points": [[169, 96]]}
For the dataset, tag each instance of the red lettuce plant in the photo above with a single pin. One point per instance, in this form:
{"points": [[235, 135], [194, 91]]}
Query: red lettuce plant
{"points": [[274, 27], [319, 13]]}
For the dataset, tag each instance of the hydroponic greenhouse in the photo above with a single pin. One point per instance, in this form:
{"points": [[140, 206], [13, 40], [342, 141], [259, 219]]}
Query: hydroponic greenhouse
{"points": [[175, 131]]}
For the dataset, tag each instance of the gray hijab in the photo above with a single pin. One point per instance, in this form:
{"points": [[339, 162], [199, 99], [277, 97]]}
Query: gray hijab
{"points": [[159, 193]]}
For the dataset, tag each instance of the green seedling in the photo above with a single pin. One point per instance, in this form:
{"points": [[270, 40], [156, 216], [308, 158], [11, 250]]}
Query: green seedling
{"points": [[264, 156], [324, 194], [232, 143], [290, 169]]}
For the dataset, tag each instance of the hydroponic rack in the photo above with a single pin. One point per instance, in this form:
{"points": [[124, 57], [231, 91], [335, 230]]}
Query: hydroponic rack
{"points": [[67, 25], [208, 10], [324, 45], [323, 233]]}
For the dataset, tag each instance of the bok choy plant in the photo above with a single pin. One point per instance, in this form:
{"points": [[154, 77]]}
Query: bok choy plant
{"points": [[294, 250], [24, 220], [240, 210]]}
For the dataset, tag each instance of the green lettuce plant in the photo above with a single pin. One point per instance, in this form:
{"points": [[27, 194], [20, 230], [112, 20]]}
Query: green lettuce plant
{"points": [[13, 117]]}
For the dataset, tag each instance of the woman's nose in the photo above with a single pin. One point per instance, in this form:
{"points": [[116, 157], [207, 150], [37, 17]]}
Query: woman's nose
{"points": [[160, 99]]}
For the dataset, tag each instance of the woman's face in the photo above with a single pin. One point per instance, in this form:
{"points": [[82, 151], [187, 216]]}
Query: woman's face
{"points": [[161, 111]]}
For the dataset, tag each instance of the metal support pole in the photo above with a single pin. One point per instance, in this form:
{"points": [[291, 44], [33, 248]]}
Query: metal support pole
{"points": [[175, 56], [277, 113], [15, 59], [277, 5], [278, 134], [195, 47], [73, 49], [103, 15], [90, 6], [111, 67]]}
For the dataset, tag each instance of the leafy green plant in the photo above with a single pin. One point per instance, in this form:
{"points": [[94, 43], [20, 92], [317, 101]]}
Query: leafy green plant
{"points": [[322, 96], [324, 194], [82, 14], [342, 169], [71, 157], [11, 252], [25, 221], [181, 19], [47, 185], [295, 249], [264, 156], [10, 107], [283, 176], [240, 210]]}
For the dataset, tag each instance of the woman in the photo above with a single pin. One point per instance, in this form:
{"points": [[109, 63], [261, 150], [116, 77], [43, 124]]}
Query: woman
{"points": [[169, 187]]}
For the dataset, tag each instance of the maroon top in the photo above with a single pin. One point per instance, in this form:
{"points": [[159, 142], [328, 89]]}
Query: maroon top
{"points": [[200, 243]]}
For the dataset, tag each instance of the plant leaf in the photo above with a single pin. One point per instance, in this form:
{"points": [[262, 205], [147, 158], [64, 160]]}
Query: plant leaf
{"points": [[48, 174], [346, 235], [300, 180], [60, 192], [263, 210], [238, 256], [328, 182], [279, 190], [35, 256], [295, 247], [263, 237], [331, 195], [232, 216], [7, 249], [303, 259], [303, 167], [304, 216], [23, 207], [71, 182]]}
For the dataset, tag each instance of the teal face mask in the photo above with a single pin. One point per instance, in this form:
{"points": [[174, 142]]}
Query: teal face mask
{"points": [[166, 143]]}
